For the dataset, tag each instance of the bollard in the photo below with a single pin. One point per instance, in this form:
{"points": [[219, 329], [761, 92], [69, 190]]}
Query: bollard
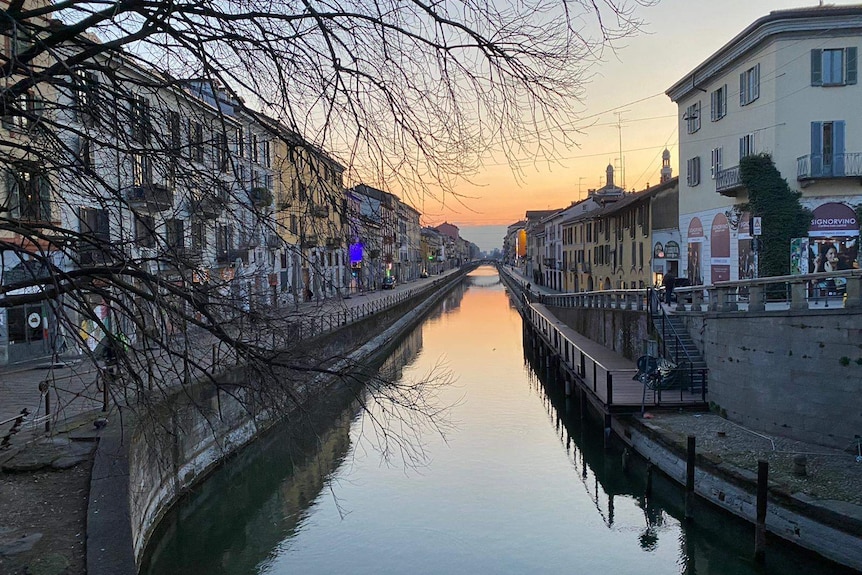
{"points": [[689, 479], [760, 524], [800, 464]]}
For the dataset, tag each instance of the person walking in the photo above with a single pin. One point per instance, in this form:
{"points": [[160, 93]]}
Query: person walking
{"points": [[668, 282]]}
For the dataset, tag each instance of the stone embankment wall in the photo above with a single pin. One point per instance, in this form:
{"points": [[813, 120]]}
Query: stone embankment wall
{"points": [[623, 331], [798, 375], [184, 437]]}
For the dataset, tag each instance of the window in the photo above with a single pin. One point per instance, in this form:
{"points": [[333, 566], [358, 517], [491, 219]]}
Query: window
{"points": [[142, 170], [84, 153], [175, 233], [833, 67], [94, 223], [196, 141], [85, 96], [266, 153], [749, 85], [28, 194], [23, 112], [139, 109], [641, 255], [174, 132], [746, 146], [221, 153], [827, 148], [255, 152], [240, 142], [224, 240], [692, 118], [199, 234], [294, 224], [145, 231], [17, 41], [715, 163], [718, 104], [692, 175]]}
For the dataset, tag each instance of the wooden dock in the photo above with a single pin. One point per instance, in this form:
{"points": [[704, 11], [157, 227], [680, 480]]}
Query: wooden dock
{"points": [[605, 376]]}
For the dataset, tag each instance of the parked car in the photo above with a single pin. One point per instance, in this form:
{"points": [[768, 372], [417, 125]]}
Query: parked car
{"points": [[389, 282]]}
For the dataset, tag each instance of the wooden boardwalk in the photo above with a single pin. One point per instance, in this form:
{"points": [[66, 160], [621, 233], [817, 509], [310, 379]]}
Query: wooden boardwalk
{"points": [[603, 374]]}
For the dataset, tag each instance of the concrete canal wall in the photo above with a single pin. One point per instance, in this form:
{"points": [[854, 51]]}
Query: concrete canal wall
{"points": [[620, 330], [732, 489], [798, 375], [143, 467]]}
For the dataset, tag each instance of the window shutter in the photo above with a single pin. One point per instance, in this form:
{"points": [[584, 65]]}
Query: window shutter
{"points": [[838, 148], [816, 148], [44, 197], [755, 94], [712, 105], [742, 89], [816, 68], [850, 55], [723, 97], [12, 193]]}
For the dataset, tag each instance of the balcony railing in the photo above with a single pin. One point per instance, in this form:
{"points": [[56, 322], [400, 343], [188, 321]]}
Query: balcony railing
{"points": [[152, 197], [209, 206], [728, 182], [818, 166], [260, 197]]}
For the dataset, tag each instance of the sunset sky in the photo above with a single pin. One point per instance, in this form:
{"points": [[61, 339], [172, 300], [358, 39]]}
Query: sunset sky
{"points": [[678, 35]]}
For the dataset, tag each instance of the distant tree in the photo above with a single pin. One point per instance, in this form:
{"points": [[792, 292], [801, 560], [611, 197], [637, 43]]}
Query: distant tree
{"points": [[783, 216]]}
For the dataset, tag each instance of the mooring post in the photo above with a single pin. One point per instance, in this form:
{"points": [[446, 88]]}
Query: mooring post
{"points": [[760, 525], [689, 479]]}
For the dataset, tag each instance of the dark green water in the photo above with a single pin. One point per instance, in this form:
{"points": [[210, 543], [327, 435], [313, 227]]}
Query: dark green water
{"points": [[506, 480]]}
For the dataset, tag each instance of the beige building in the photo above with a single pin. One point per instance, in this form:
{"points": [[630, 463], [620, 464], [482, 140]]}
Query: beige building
{"points": [[788, 86]]}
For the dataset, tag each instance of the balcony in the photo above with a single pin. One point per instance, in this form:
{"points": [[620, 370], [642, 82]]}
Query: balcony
{"points": [[728, 182], [260, 197], [333, 243], [819, 167], [273, 241], [320, 211], [209, 206], [586, 268], [230, 256], [150, 197], [309, 242]]}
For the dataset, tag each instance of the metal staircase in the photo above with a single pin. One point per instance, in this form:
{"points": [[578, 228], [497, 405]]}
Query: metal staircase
{"points": [[676, 345]]}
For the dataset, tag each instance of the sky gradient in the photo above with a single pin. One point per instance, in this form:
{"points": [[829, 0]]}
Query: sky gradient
{"points": [[677, 36]]}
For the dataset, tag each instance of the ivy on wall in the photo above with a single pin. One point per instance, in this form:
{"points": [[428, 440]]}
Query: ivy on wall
{"points": [[783, 216]]}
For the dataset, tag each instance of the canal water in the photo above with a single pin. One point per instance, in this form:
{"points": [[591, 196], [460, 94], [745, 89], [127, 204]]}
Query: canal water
{"points": [[467, 463]]}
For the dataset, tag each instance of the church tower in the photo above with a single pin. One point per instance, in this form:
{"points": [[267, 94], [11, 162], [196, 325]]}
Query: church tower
{"points": [[665, 166]]}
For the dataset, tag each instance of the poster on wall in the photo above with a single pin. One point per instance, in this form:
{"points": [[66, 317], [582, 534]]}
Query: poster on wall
{"points": [[800, 260], [719, 239], [832, 254], [695, 249]]}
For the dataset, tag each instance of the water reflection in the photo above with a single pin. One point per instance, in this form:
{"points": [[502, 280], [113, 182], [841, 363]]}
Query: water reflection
{"points": [[519, 483]]}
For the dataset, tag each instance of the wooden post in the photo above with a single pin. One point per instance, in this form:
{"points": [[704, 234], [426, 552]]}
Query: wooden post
{"points": [[760, 524], [689, 479]]}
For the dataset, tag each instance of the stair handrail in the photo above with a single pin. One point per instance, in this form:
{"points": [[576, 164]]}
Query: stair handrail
{"points": [[655, 304]]}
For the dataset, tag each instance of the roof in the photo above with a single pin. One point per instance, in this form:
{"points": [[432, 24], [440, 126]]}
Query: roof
{"points": [[823, 20], [627, 201]]}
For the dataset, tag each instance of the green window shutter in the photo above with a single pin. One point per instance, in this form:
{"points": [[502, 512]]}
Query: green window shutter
{"points": [[12, 190], [44, 197], [850, 55], [816, 68]]}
